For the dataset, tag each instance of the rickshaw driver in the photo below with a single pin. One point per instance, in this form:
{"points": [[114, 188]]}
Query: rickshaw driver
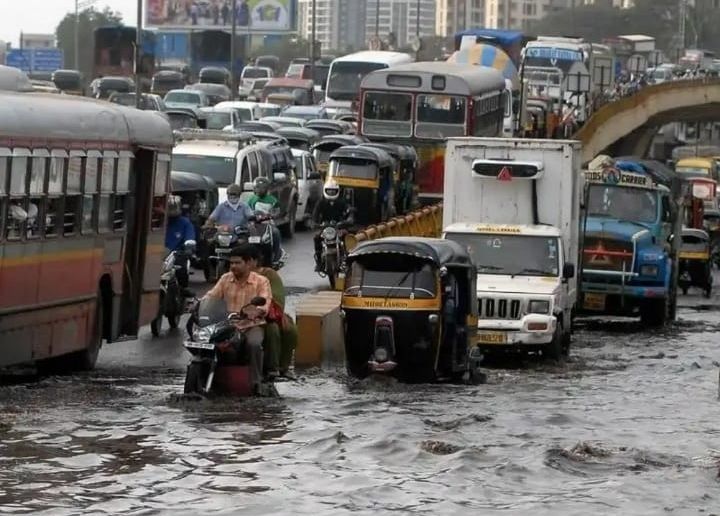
{"points": [[263, 201], [331, 208], [237, 288]]}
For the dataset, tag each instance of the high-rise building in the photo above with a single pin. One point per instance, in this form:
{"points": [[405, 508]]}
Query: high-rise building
{"points": [[622, 4], [519, 14], [339, 24], [400, 18], [456, 15]]}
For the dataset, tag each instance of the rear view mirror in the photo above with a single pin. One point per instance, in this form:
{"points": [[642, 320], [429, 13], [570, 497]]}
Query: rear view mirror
{"points": [[280, 177], [568, 270]]}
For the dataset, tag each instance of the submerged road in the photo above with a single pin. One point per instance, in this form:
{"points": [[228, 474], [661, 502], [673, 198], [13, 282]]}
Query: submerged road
{"points": [[627, 426]]}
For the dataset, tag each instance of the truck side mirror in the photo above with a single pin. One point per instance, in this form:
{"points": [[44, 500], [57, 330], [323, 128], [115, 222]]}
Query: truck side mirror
{"points": [[568, 270]]}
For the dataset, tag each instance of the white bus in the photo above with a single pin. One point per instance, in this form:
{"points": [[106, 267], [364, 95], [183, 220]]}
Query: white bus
{"points": [[347, 72]]}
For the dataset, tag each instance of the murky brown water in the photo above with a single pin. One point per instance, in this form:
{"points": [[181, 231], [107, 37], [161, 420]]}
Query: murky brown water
{"points": [[629, 426]]}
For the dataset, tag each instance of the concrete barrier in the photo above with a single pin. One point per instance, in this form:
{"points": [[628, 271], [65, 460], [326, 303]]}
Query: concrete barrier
{"points": [[320, 330]]}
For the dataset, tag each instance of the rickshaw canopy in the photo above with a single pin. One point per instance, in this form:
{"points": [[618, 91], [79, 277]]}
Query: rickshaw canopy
{"points": [[378, 156], [190, 182], [338, 140], [437, 251]]}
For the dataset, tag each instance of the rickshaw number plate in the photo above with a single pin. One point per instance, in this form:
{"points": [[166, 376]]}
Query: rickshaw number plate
{"points": [[254, 239], [492, 338], [594, 302]]}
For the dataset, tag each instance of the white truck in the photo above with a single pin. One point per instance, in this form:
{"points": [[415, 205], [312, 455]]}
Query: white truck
{"points": [[515, 205]]}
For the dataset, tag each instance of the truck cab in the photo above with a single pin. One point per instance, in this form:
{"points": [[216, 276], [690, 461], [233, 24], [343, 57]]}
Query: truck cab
{"points": [[626, 264]]}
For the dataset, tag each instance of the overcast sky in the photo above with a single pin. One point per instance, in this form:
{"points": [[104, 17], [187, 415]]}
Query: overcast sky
{"points": [[44, 15]]}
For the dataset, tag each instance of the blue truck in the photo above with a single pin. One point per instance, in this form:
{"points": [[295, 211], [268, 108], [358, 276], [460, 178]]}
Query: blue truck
{"points": [[628, 258]]}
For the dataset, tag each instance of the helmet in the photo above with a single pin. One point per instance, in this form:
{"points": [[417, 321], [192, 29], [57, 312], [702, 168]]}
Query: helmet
{"points": [[234, 189], [331, 191], [173, 207], [261, 185]]}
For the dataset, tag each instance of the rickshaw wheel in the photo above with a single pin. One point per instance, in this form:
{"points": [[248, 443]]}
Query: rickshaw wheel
{"points": [[684, 291], [708, 292]]}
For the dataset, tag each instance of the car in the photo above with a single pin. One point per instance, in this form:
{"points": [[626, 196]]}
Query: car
{"points": [[227, 118], [186, 98], [148, 101], [284, 121], [305, 112], [215, 93], [253, 79], [309, 187], [249, 110], [269, 109], [102, 88], [256, 125]]}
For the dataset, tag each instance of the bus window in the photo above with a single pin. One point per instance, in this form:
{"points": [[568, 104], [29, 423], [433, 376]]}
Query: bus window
{"points": [[37, 173], [122, 189], [440, 116], [71, 219], [104, 222], [18, 172], [57, 172], [74, 172], [387, 113], [4, 157], [162, 167], [107, 179], [88, 214]]}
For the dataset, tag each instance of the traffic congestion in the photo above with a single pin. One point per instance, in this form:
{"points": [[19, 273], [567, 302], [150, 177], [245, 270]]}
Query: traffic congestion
{"points": [[361, 284]]}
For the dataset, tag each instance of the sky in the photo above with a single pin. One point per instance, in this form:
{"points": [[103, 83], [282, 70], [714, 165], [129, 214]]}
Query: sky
{"points": [[42, 16]]}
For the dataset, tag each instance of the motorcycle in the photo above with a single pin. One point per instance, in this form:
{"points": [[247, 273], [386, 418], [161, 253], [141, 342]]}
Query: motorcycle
{"points": [[332, 256], [172, 298], [220, 241], [220, 361], [263, 235]]}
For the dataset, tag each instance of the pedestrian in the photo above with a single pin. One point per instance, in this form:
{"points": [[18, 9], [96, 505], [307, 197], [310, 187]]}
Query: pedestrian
{"points": [[194, 13], [215, 14], [225, 13]]}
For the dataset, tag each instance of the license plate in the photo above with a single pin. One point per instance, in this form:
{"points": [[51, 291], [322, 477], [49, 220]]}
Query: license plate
{"points": [[594, 302], [492, 338], [254, 240], [200, 345]]}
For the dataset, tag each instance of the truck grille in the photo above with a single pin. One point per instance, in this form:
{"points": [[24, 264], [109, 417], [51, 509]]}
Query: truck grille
{"points": [[607, 254], [492, 308]]}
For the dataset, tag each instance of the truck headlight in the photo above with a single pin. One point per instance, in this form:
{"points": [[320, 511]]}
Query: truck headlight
{"points": [[649, 270], [538, 306]]}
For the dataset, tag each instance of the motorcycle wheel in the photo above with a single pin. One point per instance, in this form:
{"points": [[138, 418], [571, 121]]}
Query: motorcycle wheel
{"points": [[331, 269], [210, 271], [195, 378], [156, 324]]}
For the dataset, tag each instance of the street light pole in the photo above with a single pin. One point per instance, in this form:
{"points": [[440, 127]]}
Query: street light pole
{"points": [[417, 21], [313, 57], [138, 55], [232, 50], [77, 35], [377, 18]]}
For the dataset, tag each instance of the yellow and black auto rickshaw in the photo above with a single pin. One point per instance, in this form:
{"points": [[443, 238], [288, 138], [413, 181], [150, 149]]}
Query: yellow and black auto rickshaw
{"points": [[410, 310], [695, 263], [366, 177], [406, 161], [328, 144]]}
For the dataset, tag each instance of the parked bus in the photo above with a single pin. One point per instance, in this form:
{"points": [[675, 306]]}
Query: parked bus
{"points": [[83, 189], [424, 103], [115, 52], [346, 73]]}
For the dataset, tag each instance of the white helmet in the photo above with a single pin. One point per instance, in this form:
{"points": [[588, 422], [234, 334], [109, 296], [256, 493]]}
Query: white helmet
{"points": [[331, 191]]}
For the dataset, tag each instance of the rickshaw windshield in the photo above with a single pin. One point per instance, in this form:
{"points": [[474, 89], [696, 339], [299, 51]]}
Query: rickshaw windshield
{"points": [[211, 311], [353, 168], [392, 277], [694, 243]]}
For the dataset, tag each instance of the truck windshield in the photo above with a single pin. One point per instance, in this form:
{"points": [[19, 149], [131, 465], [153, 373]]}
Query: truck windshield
{"points": [[624, 203], [385, 277], [519, 255], [218, 168]]}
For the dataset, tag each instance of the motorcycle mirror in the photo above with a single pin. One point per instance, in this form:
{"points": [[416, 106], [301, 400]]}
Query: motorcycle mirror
{"points": [[258, 301]]}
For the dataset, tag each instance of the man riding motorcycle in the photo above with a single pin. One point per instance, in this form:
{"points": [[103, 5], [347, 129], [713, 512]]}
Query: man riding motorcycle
{"points": [[331, 208], [179, 230], [264, 202], [237, 288], [231, 213]]}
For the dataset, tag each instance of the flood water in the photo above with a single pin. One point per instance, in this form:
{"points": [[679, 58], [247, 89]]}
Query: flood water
{"points": [[629, 425]]}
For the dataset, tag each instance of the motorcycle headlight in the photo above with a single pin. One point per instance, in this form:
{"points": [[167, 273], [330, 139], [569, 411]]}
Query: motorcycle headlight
{"points": [[649, 270], [538, 306], [202, 334], [329, 233], [224, 240]]}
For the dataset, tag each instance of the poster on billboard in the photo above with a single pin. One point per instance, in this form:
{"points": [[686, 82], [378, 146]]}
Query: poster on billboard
{"points": [[260, 16]]}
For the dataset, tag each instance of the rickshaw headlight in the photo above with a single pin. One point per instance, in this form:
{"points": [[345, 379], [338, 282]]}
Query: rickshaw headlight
{"points": [[329, 233], [433, 318], [649, 270], [539, 306], [381, 355]]}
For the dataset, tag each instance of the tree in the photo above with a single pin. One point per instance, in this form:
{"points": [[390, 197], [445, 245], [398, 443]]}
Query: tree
{"points": [[89, 19]]}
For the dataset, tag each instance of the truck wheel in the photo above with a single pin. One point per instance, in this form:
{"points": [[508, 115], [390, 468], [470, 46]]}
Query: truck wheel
{"points": [[654, 312], [554, 349]]}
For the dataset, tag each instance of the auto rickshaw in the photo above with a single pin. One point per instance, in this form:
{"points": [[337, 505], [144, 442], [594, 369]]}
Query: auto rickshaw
{"points": [[406, 160], [327, 126], [69, 82], [199, 197], [365, 175], [695, 265], [410, 310], [328, 144], [300, 138]]}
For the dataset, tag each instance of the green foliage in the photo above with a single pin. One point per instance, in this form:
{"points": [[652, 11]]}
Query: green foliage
{"points": [[89, 19]]}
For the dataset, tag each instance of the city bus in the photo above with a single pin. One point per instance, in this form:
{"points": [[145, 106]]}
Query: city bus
{"points": [[346, 73], [422, 104], [115, 52], [83, 190]]}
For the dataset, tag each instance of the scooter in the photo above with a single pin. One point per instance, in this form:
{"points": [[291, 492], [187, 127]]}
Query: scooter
{"points": [[332, 256], [213, 338], [172, 297]]}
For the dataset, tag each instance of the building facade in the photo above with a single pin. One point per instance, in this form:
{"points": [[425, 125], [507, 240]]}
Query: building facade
{"points": [[397, 21], [453, 16], [339, 24], [519, 14], [37, 40]]}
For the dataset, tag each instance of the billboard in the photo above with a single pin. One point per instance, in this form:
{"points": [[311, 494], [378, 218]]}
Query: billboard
{"points": [[254, 16]]}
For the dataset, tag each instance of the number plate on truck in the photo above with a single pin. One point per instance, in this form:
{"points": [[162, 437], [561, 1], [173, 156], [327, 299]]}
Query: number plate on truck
{"points": [[491, 338], [594, 302]]}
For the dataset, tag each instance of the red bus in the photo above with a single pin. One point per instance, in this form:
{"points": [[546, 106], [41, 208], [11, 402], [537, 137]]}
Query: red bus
{"points": [[83, 189]]}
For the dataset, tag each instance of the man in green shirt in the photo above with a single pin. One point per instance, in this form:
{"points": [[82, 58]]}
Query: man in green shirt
{"points": [[263, 202]]}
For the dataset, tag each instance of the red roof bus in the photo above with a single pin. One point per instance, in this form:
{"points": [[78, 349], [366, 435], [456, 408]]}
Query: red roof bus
{"points": [[423, 104], [83, 189]]}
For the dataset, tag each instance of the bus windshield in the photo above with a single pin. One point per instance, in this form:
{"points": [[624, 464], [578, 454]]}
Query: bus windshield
{"points": [[622, 202], [218, 168], [386, 113], [440, 116], [385, 277], [345, 78], [353, 168], [519, 255]]}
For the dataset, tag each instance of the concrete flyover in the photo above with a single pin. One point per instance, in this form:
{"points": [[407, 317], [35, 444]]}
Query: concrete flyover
{"points": [[627, 126]]}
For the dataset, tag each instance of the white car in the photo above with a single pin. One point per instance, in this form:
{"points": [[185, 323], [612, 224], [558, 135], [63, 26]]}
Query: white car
{"points": [[310, 186], [253, 80]]}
